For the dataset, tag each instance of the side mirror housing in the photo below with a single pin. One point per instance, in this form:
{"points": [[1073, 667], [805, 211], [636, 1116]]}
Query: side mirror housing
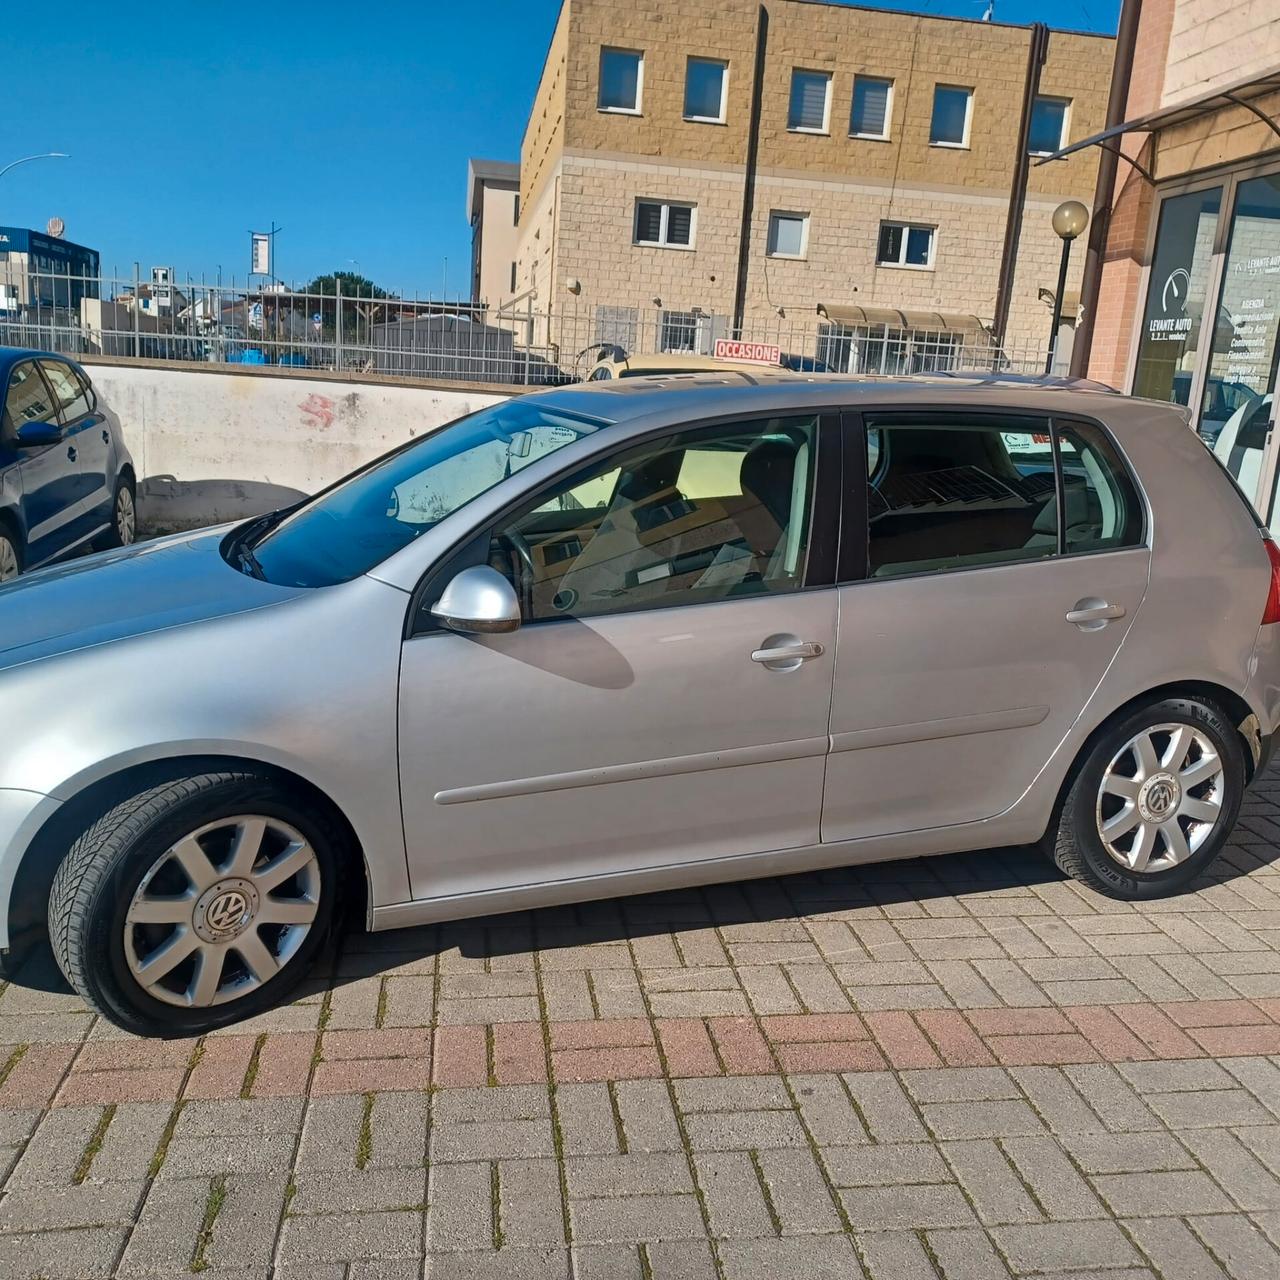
{"points": [[478, 601], [38, 435]]}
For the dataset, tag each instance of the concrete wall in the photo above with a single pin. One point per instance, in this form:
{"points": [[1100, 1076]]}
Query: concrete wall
{"points": [[212, 445]]}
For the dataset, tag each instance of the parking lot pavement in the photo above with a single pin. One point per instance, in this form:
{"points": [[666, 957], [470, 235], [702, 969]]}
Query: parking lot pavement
{"points": [[963, 1067]]}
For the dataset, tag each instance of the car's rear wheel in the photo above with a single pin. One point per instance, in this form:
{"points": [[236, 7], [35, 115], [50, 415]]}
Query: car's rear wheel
{"points": [[123, 531], [1153, 802], [196, 903], [10, 555]]}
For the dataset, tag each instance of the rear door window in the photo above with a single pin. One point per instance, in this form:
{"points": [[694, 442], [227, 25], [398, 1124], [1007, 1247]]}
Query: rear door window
{"points": [[959, 491]]}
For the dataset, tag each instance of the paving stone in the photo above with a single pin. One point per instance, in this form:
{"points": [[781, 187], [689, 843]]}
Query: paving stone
{"points": [[798, 1191], [744, 1130], [94, 1204], [1234, 1167], [358, 1191], [648, 1119], [1127, 1152], [731, 1195], [1054, 1246], [62, 1255], [981, 1119], [990, 1182], [1208, 1109], [530, 1204], [630, 1175], [1059, 1190], [636, 1218], [460, 1207], [163, 1241], [544, 1263], [1239, 1245], [896, 1255], [885, 1164], [352, 1237], [244, 1232], [906, 1207], [1174, 1249], [587, 1122], [827, 1111], [961, 1084], [829, 1257], [966, 1255], [884, 1108]]}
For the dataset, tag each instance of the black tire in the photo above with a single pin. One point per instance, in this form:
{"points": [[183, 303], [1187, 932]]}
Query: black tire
{"points": [[96, 882], [11, 544], [110, 538], [1073, 841]]}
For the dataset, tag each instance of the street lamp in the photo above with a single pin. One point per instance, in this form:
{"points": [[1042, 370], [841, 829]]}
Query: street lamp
{"points": [[1069, 219], [44, 155]]}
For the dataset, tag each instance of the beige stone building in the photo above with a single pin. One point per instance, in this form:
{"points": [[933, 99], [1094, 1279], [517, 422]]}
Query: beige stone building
{"points": [[837, 179], [493, 210]]}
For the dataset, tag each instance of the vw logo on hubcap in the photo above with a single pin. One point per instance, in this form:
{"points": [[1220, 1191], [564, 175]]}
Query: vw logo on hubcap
{"points": [[225, 910], [1159, 797]]}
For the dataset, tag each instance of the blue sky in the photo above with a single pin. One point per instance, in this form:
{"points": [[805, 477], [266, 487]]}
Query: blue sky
{"points": [[349, 125]]}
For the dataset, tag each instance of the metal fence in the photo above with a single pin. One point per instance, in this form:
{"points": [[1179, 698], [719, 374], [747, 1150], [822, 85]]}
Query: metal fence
{"points": [[519, 343]]}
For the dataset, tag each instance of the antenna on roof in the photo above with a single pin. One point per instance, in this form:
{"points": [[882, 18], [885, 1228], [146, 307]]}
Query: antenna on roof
{"points": [[990, 11]]}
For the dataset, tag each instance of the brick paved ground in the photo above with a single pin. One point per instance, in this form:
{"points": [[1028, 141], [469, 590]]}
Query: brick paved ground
{"points": [[965, 1067]]}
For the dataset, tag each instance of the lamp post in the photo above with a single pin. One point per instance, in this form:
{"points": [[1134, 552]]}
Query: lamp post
{"points": [[44, 155], [1069, 219]]}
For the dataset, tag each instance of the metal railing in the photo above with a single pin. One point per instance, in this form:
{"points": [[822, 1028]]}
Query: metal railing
{"points": [[518, 343]]}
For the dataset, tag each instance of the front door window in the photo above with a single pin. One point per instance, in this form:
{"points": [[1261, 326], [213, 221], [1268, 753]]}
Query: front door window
{"points": [[698, 516]]}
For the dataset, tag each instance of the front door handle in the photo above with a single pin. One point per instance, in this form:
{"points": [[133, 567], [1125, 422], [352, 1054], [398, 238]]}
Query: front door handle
{"points": [[71, 452], [1092, 614], [106, 437], [786, 653]]}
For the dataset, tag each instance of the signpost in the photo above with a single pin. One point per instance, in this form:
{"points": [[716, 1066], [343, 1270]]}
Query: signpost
{"points": [[747, 352]]}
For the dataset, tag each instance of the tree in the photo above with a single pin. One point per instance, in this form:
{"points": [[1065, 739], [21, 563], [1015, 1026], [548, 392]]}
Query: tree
{"points": [[353, 284]]}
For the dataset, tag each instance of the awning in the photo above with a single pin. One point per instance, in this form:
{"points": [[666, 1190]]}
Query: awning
{"points": [[897, 319], [1241, 94]]}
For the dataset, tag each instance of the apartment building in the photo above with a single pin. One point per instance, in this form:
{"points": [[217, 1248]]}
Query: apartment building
{"points": [[837, 178], [493, 210]]}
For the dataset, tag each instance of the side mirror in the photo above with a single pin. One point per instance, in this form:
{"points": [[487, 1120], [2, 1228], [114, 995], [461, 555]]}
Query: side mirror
{"points": [[479, 600], [38, 435]]}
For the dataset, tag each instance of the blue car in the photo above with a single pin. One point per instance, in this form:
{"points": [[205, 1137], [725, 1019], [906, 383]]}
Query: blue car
{"points": [[66, 479]]}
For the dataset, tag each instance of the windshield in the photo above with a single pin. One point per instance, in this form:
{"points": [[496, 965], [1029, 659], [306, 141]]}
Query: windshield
{"points": [[358, 523]]}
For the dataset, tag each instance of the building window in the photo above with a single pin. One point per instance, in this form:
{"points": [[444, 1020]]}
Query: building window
{"points": [[905, 244], [621, 80], [706, 86], [513, 277], [952, 109], [872, 107], [1048, 126], [788, 235], [810, 109], [679, 331], [516, 211], [662, 223]]}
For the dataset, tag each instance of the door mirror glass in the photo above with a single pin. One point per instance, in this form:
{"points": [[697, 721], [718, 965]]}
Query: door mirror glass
{"points": [[478, 601], [38, 435]]}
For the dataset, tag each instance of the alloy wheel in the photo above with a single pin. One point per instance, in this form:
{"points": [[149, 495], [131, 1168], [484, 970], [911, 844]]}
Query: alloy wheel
{"points": [[222, 911], [1161, 797], [126, 516]]}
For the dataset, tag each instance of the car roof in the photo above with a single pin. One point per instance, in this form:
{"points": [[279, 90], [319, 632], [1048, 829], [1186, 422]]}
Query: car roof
{"points": [[9, 356], [680, 397]]}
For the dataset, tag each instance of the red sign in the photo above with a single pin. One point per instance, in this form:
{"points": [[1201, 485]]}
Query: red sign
{"points": [[748, 352]]}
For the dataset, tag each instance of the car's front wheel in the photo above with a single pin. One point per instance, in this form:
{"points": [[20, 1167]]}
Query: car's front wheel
{"points": [[195, 903], [1153, 802]]}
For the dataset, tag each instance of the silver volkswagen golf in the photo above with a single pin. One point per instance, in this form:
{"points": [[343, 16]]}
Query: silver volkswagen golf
{"points": [[629, 637]]}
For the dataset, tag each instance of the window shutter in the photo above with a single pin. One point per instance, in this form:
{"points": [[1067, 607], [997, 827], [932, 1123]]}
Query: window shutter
{"points": [[870, 106], [808, 100], [679, 224], [648, 222]]}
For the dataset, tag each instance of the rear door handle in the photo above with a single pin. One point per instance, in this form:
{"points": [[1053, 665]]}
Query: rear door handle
{"points": [[1092, 614], [71, 452]]}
